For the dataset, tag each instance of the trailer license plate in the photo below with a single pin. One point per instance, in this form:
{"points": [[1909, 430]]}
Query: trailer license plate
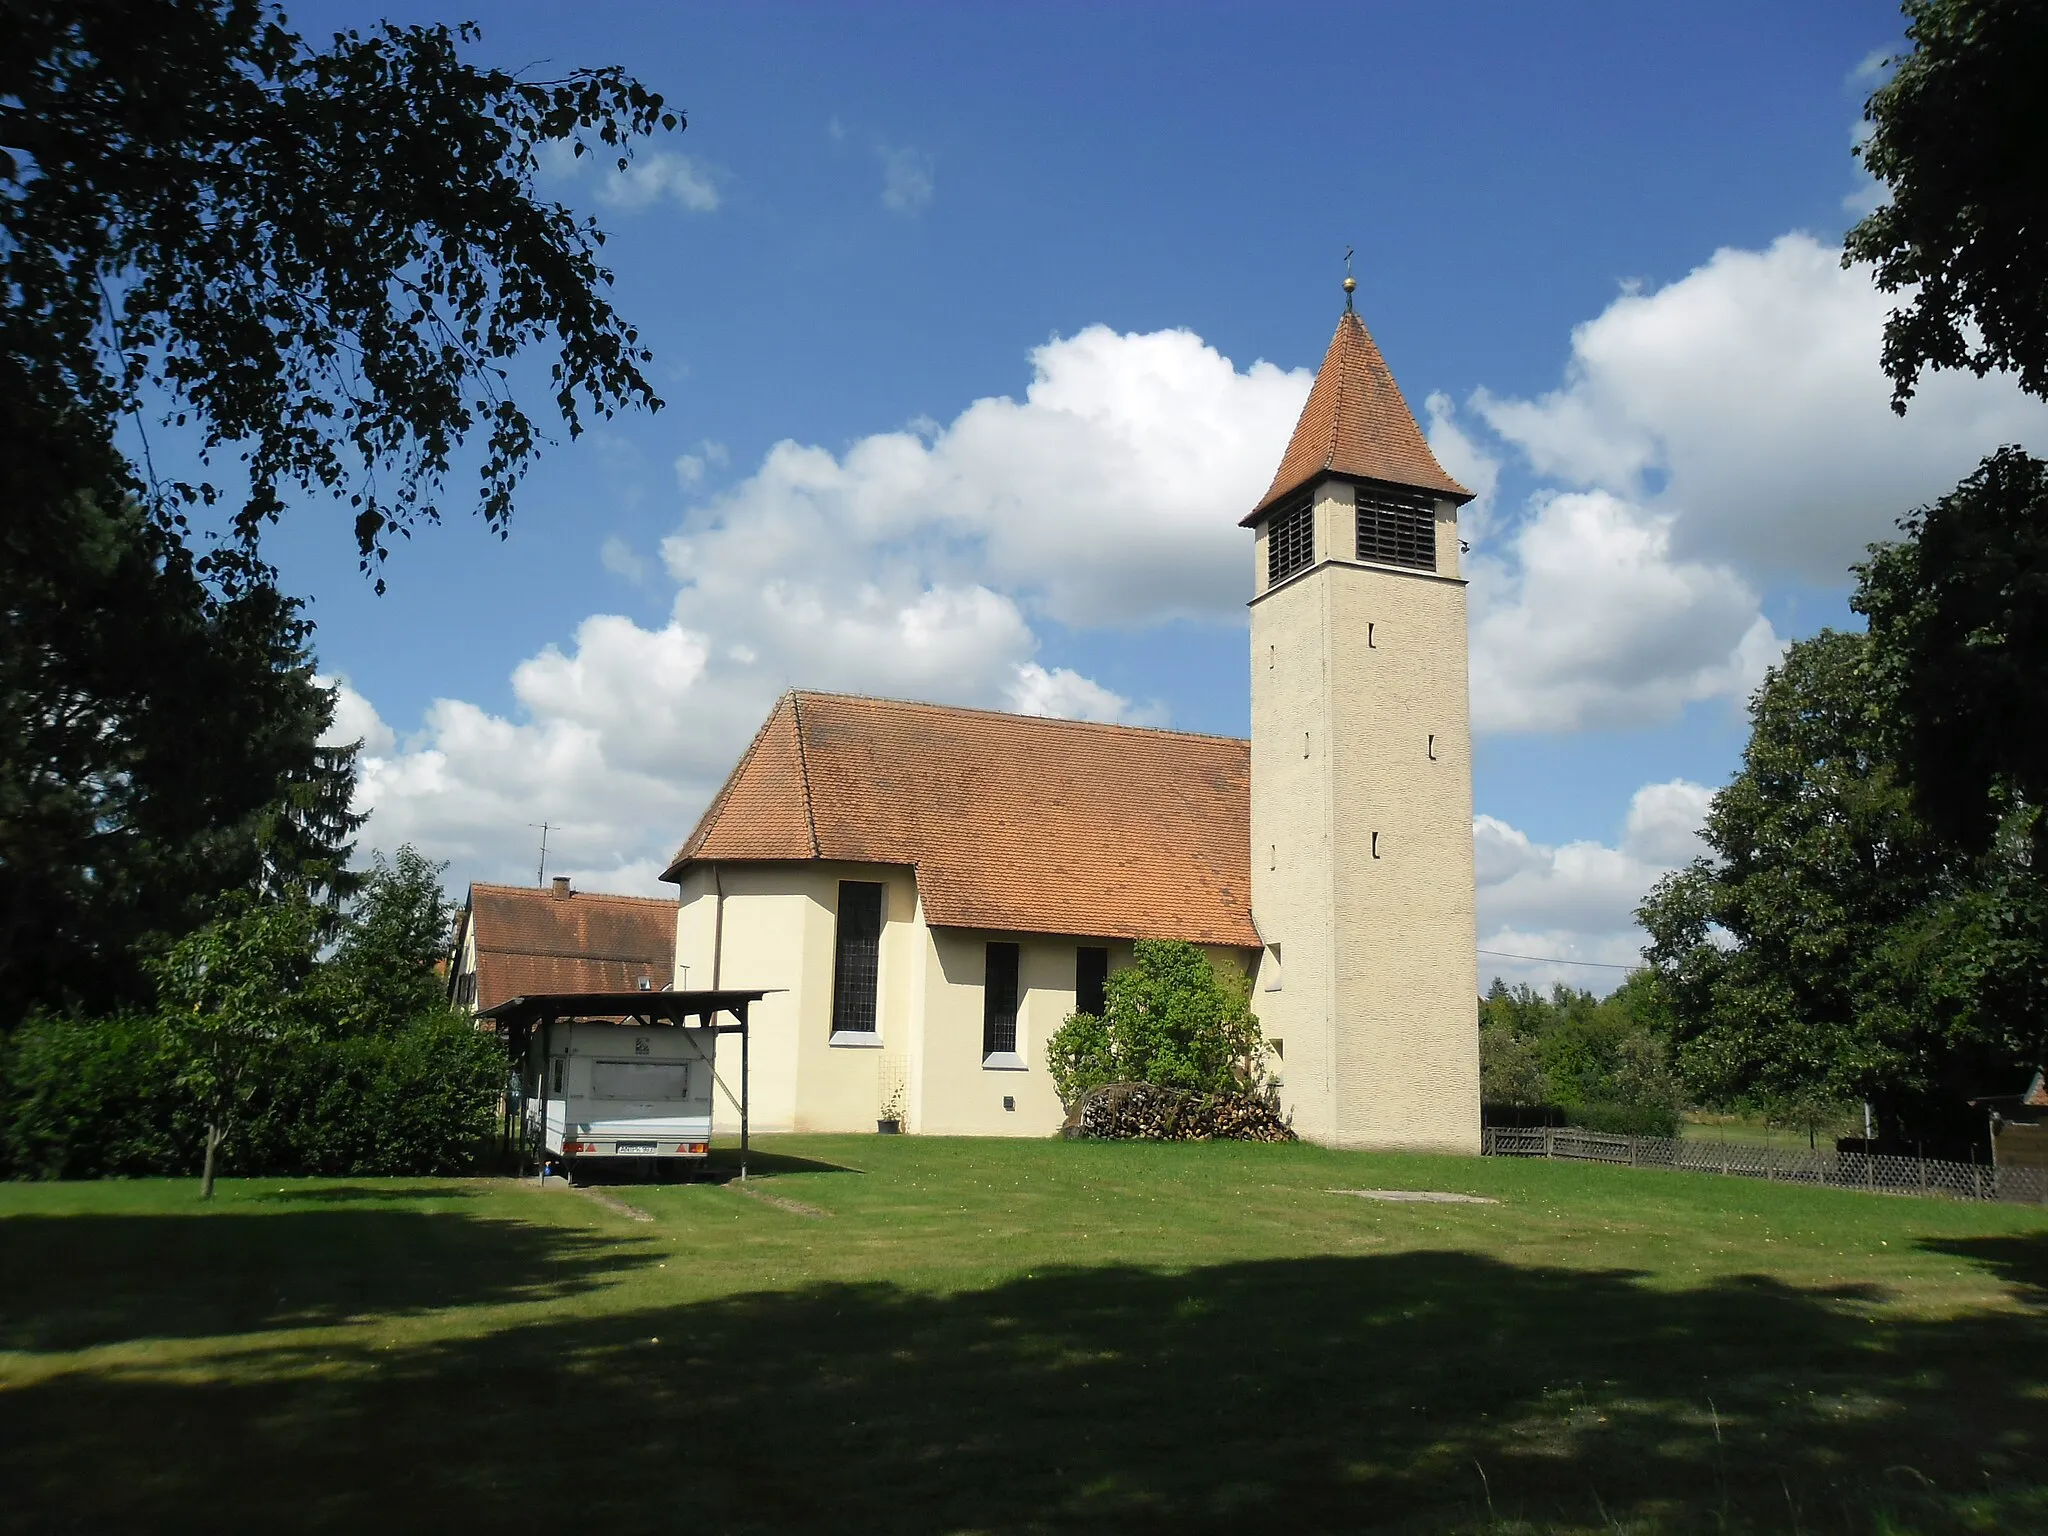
{"points": [[636, 1149]]}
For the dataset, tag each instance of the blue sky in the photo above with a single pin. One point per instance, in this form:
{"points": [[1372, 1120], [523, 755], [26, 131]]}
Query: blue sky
{"points": [[1601, 237]]}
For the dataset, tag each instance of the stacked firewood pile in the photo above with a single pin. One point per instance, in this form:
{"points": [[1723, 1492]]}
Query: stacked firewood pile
{"points": [[1147, 1112]]}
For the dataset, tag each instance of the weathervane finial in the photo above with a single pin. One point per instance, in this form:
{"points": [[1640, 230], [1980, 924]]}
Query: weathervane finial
{"points": [[1350, 282]]}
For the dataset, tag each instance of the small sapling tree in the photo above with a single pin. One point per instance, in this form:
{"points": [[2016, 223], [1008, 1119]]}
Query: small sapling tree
{"points": [[1172, 1017], [232, 993]]}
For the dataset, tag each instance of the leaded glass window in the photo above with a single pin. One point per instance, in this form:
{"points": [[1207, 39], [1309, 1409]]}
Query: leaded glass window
{"points": [[856, 957], [999, 1002]]}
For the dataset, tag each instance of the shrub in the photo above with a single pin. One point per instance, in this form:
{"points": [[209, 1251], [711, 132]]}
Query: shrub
{"points": [[94, 1098], [419, 1100], [1173, 1017], [1624, 1119], [1509, 1070], [91, 1098]]}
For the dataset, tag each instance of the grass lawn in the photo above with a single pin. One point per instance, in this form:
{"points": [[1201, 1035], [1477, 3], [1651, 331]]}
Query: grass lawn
{"points": [[1009, 1337], [1702, 1126]]}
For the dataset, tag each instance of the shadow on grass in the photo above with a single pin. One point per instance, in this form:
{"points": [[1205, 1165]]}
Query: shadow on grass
{"points": [[1418, 1391], [75, 1281], [721, 1166], [2020, 1261], [359, 1194], [724, 1163]]}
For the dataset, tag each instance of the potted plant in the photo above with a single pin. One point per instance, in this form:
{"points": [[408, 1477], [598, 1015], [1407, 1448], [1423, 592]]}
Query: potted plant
{"points": [[890, 1122]]}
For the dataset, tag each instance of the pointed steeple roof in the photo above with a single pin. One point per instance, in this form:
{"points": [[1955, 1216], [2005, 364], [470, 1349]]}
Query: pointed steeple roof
{"points": [[1356, 425]]}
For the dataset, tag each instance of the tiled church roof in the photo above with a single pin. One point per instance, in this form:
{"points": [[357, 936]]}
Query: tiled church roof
{"points": [[531, 940], [1013, 822], [1356, 424]]}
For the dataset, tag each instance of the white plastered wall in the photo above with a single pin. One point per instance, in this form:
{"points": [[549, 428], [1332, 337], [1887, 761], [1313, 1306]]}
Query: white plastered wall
{"points": [[778, 934]]}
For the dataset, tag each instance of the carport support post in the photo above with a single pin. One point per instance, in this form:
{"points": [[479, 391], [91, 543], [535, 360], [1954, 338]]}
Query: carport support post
{"points": [[746, 1035], [544, 1023]]}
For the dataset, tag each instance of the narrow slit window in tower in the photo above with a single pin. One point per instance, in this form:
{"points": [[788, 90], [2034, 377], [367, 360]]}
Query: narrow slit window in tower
{"points": [[1290, 539], [1396, 527]]}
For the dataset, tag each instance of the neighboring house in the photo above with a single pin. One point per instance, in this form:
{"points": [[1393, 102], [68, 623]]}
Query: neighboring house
{"points": [[931, 891], [513, 941], [2019, 1126]]}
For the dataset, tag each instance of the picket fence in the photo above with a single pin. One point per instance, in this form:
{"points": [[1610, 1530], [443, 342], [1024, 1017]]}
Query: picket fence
{"points": [[1876, 1173]]}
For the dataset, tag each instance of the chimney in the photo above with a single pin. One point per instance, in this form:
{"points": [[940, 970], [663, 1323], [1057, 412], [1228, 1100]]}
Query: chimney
{"points": [[561, 885]]}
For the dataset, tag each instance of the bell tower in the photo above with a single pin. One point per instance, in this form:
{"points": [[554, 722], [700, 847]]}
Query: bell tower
{"points": [[1361, 777]]}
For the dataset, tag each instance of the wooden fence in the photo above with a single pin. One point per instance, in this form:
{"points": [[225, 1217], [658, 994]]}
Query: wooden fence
{"points": [[1836, 1170]]}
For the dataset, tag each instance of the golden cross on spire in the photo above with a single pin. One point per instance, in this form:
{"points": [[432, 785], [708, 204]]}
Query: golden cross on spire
{"points": [[1350, 282]]}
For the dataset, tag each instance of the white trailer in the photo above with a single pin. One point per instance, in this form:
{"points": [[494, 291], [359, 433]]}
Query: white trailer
{"points": [[623, 1091], [620, 1079]]}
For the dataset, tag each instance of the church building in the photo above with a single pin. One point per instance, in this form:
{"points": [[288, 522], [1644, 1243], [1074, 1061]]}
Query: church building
{"points": [[929, 892]]}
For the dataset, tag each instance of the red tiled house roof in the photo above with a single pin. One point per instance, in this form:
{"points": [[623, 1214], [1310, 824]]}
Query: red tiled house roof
{"points": [[1356, 425], [530, 940], [1012, 822]]}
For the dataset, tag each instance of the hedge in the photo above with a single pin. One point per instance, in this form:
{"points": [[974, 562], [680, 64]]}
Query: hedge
{"points": [[97, 1098]]}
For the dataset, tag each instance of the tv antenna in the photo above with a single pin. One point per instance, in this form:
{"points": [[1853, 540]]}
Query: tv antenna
{"points": [[545, 827]]}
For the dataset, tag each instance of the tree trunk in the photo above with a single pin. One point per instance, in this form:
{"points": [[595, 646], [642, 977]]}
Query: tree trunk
{"points": [[212, 1145]]}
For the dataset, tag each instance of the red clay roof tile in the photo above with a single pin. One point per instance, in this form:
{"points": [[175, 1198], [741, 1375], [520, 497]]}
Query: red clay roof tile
{"points": [[1012, 822], [1356, 424], [531, 940]]}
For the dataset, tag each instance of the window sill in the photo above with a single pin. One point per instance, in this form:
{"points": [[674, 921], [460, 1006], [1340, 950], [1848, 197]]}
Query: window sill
{"points": [[1003, 1061], [866, 1042]]}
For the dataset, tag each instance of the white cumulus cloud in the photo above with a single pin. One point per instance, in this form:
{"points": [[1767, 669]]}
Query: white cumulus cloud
{"points": [[1576, 901], [655, 175], [1746, 400], [912, 564], [1587, 618], [651, 176]]}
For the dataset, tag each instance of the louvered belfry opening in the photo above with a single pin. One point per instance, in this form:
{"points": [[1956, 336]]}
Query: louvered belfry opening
{"points": [[1291, 539], [1396, 527]]}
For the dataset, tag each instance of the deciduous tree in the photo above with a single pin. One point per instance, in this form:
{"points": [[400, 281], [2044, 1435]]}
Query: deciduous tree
{"points": [[322, 262], [314, 269], [1835, 946], [234, 993], [1958, 138]]}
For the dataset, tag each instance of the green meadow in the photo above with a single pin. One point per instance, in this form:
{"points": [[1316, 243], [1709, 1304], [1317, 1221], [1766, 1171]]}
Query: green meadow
{"points": [[901, 1334]]}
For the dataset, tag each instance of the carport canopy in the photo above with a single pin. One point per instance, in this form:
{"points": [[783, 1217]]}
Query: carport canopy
{"points": [[520, 1017]]}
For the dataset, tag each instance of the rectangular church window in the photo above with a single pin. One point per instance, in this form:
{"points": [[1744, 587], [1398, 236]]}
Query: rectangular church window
{"points": [[1091, 971], [856, 959], [999, 1002], [1397, 527], [1290, 539]]}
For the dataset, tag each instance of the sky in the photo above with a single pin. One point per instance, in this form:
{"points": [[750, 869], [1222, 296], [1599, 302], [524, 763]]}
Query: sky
{"points": [[978, 328]]}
